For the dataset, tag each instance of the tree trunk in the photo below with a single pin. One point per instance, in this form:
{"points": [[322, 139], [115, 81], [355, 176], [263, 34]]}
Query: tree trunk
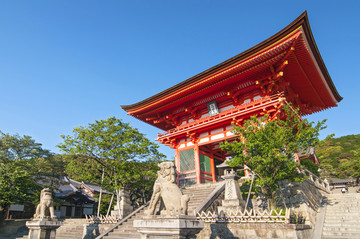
{"points": [[102, 180], [118, 199], [111, 201], [269, 196], [3, 212]]}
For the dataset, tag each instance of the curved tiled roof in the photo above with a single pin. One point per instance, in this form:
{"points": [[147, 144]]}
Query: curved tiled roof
{"points": [[302, 21]]}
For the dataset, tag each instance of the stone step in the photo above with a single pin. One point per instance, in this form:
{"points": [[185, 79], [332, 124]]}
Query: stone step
{"points": [[124, 235], [193, 192], [332, 218], [350, 224], [340, 224], [347, 207], [126, 231], [349, 234], [74, 233], [67, 229], [339, 237], [74, 221], [339, 197], [350, 200], [333, 211], [69, 237], [350, 217], [341, 229], [340, 205], [127, 228], [334, 223], [198, 199], [341, 210], [343, 202], [335, 220]]}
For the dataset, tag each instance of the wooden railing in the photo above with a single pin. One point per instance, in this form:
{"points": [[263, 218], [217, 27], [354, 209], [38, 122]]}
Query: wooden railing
{"points": [[253, 105]]}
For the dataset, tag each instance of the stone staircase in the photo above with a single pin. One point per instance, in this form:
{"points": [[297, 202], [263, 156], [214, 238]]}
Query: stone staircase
{"points": [[71, 229], [197, 194], [342, 216], [126, 229]]}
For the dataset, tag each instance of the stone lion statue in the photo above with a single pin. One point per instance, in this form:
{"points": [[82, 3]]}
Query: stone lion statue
{"points": [[46, 206], [165, 187]]}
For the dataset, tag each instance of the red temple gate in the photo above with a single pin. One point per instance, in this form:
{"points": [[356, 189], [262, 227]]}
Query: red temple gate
{"points": [[197, 114]]}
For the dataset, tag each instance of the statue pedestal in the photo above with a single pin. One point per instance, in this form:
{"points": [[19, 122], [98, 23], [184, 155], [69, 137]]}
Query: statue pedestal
{"points": [[175, 227], [43, 229]]}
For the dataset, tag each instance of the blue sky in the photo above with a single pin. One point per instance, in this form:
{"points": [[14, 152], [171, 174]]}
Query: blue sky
{"points": [[68, 63]]}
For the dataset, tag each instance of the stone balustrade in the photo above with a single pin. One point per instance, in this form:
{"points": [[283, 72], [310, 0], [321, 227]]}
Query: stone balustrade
{"points": [[318, 182], [92, 219], [246, 216]]}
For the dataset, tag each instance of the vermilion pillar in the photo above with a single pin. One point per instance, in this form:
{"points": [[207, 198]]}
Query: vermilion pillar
{"points": [[177, 165], [197, 163], [212, 165]]}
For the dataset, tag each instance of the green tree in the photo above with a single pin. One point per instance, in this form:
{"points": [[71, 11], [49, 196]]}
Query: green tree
{"points": [[309, 165], [17, 184], [268, 147], [113, 147], [340, 157], [48, 170]]}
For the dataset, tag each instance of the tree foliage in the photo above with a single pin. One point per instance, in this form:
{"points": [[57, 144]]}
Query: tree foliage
{"points": [[340, 157], [268, 147], [15, 147], [24, 164], [115, 147], [310, 165]]}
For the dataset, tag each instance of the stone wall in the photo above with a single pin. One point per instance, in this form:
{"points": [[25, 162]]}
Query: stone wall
{"points": [[254, 231], [296, 194], [305, 199]]}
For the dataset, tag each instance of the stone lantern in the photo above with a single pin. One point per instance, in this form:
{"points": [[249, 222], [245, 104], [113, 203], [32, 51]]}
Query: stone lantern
{"points": [[233, 198]]}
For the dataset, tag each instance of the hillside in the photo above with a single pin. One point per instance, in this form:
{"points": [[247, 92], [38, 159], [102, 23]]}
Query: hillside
{"points": [[340, 157]]}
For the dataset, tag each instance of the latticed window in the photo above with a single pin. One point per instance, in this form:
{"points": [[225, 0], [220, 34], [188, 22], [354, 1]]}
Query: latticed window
{"points": [[187, 161]]}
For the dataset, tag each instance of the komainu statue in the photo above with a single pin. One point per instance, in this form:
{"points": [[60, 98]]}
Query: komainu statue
{"points": [[46, 206], [165, 187]]}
